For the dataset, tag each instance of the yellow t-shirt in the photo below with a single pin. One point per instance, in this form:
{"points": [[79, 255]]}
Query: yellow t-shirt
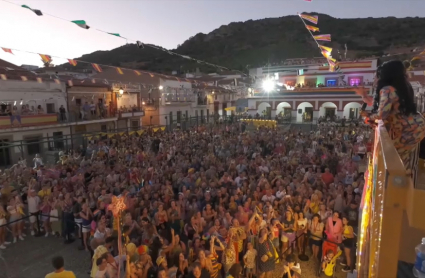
{"points": [[43, 193], [63, 274]]}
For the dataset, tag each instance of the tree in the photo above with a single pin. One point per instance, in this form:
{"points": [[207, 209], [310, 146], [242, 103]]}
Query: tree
{"points": [[48, 64]]}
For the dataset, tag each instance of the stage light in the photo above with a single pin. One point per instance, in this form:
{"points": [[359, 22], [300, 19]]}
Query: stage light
{"points": [[161, 87], [121, 91], [268, 85]]}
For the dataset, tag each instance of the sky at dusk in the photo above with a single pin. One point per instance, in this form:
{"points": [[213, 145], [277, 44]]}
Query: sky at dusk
{"points": [[162, 22]]}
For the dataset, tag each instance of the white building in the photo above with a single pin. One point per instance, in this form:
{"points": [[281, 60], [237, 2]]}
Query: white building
{"points": [[309, 91]]}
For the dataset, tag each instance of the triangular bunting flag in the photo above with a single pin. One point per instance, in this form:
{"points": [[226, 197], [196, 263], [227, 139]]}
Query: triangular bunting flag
{"points": [[37, 12], [151, 75], [3, 77], [70, 84], [326, 54], [45, 58], [39, 80], [312, 28], [57, 81], [72, 62], [326, 37], [93, 81], [312, 18], [24, 78], [115, 34], [97, 67], [137, 72], [140, 44], [422, 53], [119, 70], [81, 23], [8, 50], [328, 49]]}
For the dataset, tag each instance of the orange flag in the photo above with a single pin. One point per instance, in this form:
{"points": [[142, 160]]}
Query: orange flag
{"points": [[137, 72], [97, 67], [119, 70], [72, 62], [46, 58], [312, 28], [312, 18]]}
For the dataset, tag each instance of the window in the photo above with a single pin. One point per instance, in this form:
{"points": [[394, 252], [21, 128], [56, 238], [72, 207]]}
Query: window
{"points": [[50, 108], [331, 83], [103, 128], [78, 101], [355, 81], [33, 146], [135, 125]]}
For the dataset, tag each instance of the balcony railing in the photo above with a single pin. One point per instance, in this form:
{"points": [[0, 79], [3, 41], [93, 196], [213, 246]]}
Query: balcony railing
{"points": [[26, 121], [392, 220]]}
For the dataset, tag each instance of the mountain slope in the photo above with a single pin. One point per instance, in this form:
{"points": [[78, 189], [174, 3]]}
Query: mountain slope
{"points": [[241, 45]]}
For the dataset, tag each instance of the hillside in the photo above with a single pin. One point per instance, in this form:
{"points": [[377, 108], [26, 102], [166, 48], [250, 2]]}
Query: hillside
{"points": [[241, 45]]}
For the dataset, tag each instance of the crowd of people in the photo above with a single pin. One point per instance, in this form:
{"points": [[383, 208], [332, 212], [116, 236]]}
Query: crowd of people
{"points": [[217, 202], [205, 203]]}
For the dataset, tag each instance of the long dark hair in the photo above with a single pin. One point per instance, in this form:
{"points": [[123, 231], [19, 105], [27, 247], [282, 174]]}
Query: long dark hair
{"points": [[393, 73]]}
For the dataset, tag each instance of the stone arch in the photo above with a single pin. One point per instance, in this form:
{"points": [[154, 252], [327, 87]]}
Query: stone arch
{"points": [[304, 111], [327, 108], [283, 107], [351, 109], [263, 106]]}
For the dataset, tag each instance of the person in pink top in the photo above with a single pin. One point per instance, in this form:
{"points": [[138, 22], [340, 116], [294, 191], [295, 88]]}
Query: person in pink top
{"points": [[334, 228]]}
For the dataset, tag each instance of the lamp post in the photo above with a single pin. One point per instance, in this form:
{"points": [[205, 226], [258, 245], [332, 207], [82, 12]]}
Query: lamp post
{"points": [[150, 125], [166, 123]]}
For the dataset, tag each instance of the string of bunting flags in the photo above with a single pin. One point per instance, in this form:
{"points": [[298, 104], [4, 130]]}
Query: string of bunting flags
{"points": [[83, 24], [324, 50], [98, 68], [327, 51]]}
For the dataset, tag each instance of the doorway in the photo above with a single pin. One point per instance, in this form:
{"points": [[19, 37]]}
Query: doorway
{"points": [[354, 113], [308, 114], [329, 112]]}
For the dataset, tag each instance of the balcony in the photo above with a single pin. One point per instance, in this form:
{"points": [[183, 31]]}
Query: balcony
{"points": [[52, 120], [28, 120], [392, 207], [130, 113]]}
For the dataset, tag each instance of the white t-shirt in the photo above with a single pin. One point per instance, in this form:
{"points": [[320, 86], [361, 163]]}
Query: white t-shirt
{"points": [[33, 203], [268, 198]]}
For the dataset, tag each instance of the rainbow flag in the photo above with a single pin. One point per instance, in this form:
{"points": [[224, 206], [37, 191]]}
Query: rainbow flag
{"points": [[325, 48], [119, 70], [8, 50], [326, 54], [97, 67], [45, 58], [326, 37], [312, 18], [312, 28], [72, 62]]}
